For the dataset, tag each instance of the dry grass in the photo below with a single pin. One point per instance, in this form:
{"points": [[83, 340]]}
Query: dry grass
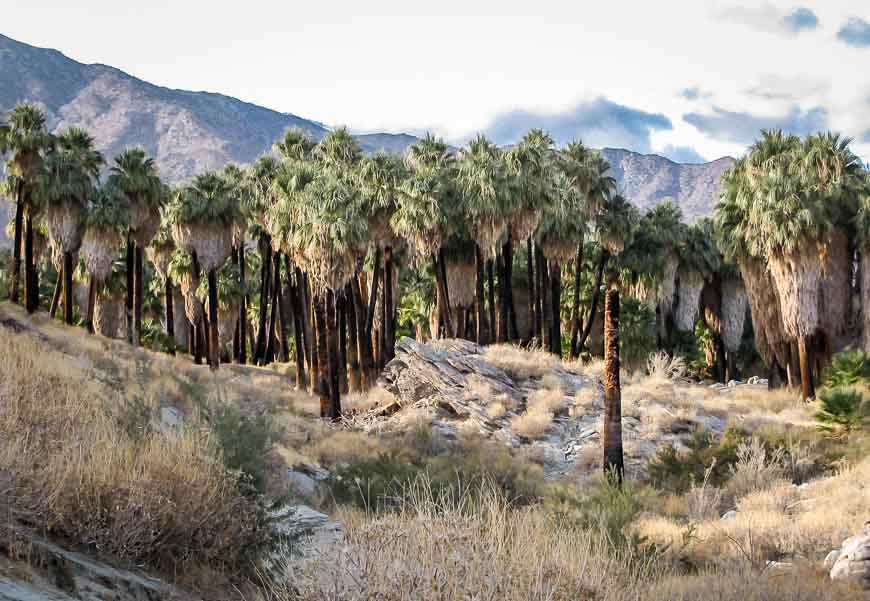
{"points": [[93, 466], [779, 520], [463, 544], [542, 406], [521, 363], [344, 446]]}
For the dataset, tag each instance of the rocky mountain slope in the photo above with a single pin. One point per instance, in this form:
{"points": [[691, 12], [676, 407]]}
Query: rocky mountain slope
{"points": [[189, 131]]}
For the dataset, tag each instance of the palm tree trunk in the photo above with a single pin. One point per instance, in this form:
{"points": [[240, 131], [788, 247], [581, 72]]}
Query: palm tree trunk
{"points": [[533, 303], [546, 302], [540, 297], [721, 362], [272, 334], [282, 313], [243, 308], [389, 322], [322, 358], [364, 337], [139, 286], [575, 302], [265, 296], [302, 309], [170, 313], [503, 306], [67, 288], [508, 252], [354, 379], [129, 267], [593, 306], [373, 293], [556, 299], [341, 316], [31, 295], [92, 301], [479, 332], [731, 372], [334, 409], [191, 339], [314, 355], [490, 278], [444, 304], [58, 289], [15, 292], [298, 329], [199, 339], [213, 342], [808, 391], [612, 439]]}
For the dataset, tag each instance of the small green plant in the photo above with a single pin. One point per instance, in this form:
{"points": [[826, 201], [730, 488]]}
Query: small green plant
{"points": [[676, 472], [133, 416], [372, 484], [848, 369], [244, 441], [843, 407]]}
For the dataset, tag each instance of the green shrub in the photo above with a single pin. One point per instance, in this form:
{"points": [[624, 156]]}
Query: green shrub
{"points": [[843, 407], [675, 472], [847, 369], [372, 484], [637, 333], [244, 441]]}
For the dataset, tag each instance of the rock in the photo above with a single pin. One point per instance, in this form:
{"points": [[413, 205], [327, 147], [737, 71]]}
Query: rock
{"points": [[853, 560], [300, 483], [831, 558], [734, 383], [729, 515], [56, 574], [303, 529], [681, 426], [170, 416]]}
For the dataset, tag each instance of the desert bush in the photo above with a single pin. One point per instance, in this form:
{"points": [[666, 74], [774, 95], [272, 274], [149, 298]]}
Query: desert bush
{"points": [[843, 407], [847, 369], [756, 468], [244, 441], [99, 477], [674, 471], [668, 367], [703, 500]]}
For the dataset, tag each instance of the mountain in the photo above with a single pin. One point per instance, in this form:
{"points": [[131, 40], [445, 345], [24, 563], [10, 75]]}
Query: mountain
{"points": [[188, 132], [648, 179]]}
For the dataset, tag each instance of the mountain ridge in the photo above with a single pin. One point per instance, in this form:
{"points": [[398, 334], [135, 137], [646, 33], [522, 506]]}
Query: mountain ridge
{"points": [[191, 131]]}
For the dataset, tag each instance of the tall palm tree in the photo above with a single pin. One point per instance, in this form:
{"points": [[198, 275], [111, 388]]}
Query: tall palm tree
{"points": [[612, 438], [485, 183], [380, 180], [699, 261], [106, 222], [160, 253], [424, 209], [138, 178], [24, 139], [65, 183], [203, 217]]}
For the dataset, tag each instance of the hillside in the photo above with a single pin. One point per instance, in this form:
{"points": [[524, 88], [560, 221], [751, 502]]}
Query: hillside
{"points": [[191, 131]]}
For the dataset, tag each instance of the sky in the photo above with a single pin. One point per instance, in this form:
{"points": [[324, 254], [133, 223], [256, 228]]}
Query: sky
{"points": [[691, 80]]}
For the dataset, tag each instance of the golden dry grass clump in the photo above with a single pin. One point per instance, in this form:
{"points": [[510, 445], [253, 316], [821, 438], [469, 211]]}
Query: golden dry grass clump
{"points": [[88, 468]]}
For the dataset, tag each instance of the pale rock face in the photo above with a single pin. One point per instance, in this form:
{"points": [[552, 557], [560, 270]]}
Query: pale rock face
{"points": [[853, 560]]}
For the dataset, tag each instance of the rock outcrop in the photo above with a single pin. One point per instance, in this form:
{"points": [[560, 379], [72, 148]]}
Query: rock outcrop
{"points": [[852, 562]]}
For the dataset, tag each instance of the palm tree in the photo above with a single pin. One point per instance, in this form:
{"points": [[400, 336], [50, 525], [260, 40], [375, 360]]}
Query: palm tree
{"points": [[106, 221], [665, 222], [423, 213], [380, 180], [699, 261], [64, 185], [203, 217], [612, 438], [185, 271], [24, 139], [485, 182], [138, 178], [160, 253], [239, 182]]}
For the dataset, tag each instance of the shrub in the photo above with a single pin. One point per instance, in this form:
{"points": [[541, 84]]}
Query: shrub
{"points": [[373, 484], [637, 333], [104, 477], [847, 369], [843, 407], [756, 468], [244, 441], [676, 472]]}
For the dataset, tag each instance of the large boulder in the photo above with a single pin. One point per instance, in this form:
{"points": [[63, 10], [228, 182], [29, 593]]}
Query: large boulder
{"points": [[853, 561]]}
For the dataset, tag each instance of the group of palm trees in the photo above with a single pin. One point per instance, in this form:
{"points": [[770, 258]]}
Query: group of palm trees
{"points": [[795, 216], [329, 235]]}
